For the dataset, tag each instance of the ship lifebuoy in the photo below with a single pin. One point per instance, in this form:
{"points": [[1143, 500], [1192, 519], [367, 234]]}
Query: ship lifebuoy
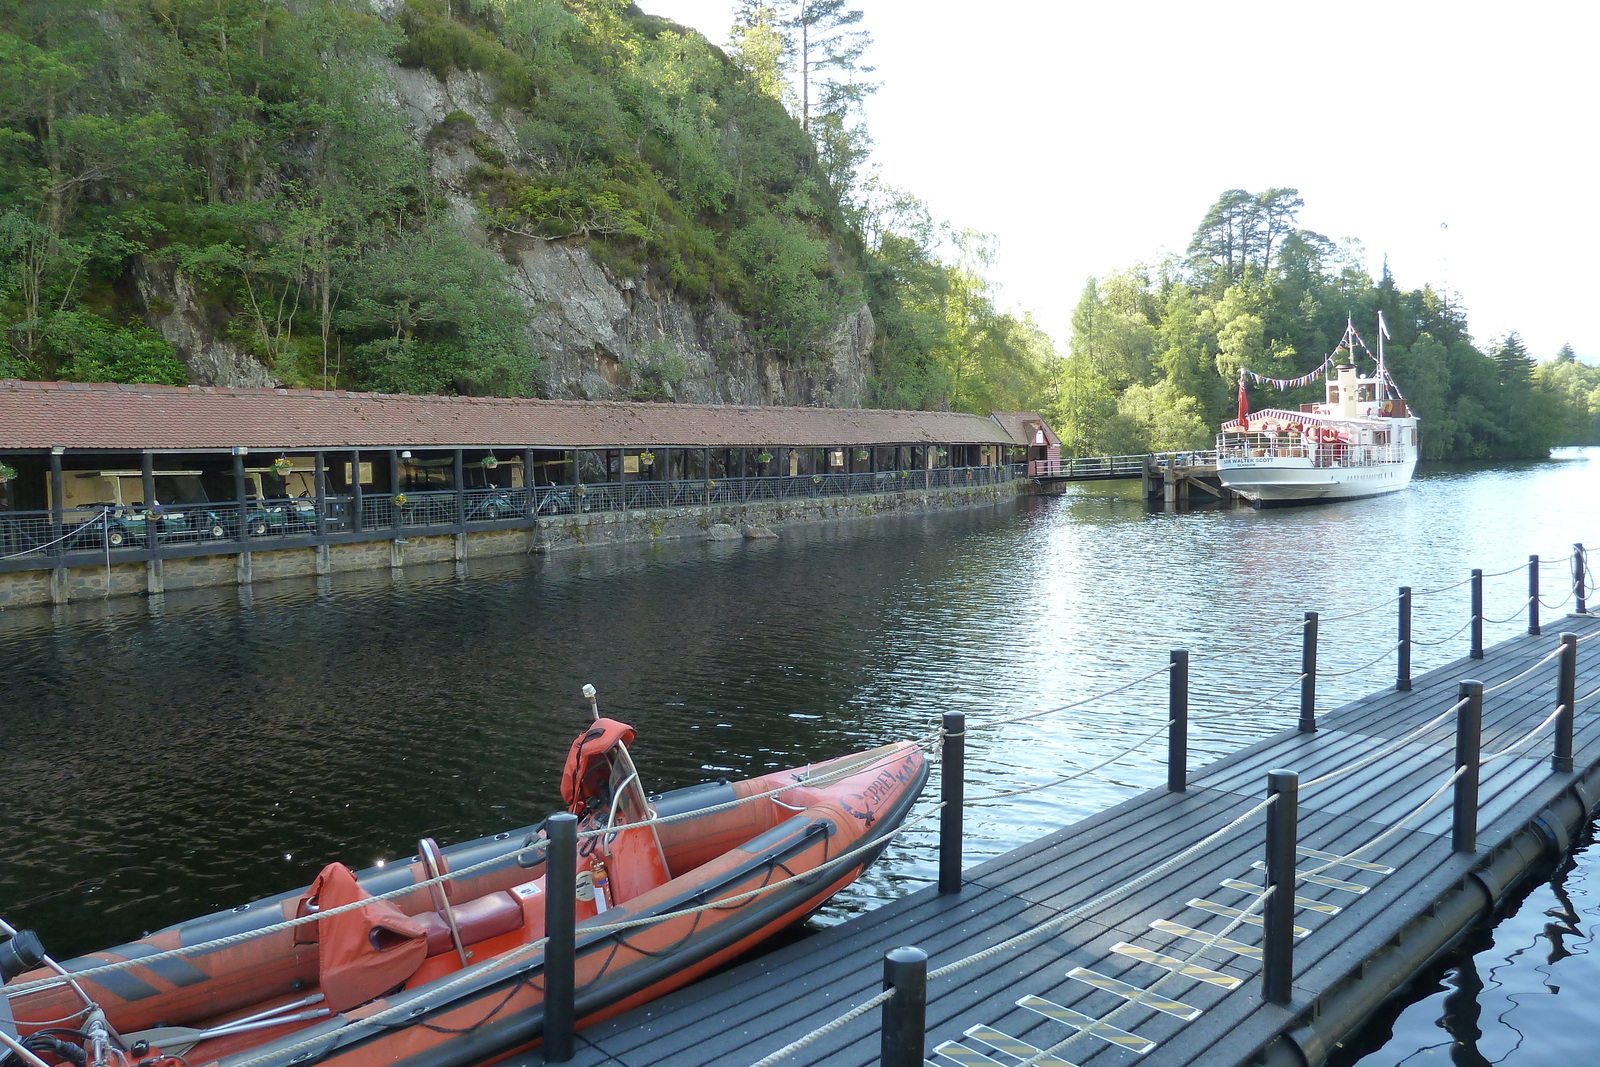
{"points": [[1388, 408]]}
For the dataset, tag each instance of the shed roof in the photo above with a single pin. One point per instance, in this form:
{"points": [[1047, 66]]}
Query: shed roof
{"points": [[1027, 427], [90, 416]]}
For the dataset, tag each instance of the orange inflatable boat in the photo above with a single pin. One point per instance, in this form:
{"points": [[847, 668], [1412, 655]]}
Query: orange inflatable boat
{"points": [[440, 962]]}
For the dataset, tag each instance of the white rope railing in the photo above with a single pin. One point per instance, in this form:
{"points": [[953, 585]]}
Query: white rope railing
{"points": [[1385, 654], [1548, 656], [1387, 750], [1446, 638], [1514, 615]]}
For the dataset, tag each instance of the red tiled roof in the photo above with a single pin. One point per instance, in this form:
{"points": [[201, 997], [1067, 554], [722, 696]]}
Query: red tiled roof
{"points": [[73, 415]]}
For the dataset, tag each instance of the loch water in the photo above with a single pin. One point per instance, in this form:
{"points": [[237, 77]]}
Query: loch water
{"points": [[161, 758]]}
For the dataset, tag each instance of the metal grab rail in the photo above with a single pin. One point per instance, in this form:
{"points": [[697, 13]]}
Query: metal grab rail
{"points": [[1131, 466]]}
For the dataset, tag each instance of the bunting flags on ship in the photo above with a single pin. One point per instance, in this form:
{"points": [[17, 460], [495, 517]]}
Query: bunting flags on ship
{"points": [[1281, 384]]}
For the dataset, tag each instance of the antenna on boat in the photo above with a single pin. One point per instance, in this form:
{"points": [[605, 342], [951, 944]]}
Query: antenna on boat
{"points": [[594, 705]]}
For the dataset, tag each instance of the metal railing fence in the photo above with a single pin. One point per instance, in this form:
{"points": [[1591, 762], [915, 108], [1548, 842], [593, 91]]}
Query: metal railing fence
{"points": [[99, 528]]}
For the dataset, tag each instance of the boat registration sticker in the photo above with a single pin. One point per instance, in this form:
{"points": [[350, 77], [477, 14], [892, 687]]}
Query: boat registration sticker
{"points": [[527, 890]]}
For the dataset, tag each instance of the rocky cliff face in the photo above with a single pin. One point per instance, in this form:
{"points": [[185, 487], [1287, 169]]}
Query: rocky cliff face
{"points": [[599, 337]]}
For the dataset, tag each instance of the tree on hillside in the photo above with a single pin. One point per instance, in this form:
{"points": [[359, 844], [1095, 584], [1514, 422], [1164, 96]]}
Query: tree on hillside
{"points": [[761, 50], [826, 44]]}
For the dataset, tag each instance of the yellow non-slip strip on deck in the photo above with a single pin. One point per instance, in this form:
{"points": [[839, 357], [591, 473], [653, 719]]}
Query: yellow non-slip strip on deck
{"points": [[1079, 1021], [1133, 993], [1177, 966], [1322, 880], [1236, 913], [1360, 865], [1238, 948], [995, 1039], [1320, 906]]}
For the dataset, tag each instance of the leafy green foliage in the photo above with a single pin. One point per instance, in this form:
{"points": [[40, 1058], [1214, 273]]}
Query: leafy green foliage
{"points": [[1156, 355]]}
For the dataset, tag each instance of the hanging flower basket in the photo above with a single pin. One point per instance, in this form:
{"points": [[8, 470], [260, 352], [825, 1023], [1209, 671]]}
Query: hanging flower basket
{"points": [[861, 454], [282, 465], [816, 477], [763, 457], [7, 472], [490, 463], [647, 459], [399, 500]]}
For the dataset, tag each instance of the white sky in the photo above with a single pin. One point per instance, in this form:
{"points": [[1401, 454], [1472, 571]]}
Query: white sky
{"points": [[1457, 138]]}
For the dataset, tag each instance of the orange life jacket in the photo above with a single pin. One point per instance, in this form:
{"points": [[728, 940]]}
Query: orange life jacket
{"points": [[588, 771]]}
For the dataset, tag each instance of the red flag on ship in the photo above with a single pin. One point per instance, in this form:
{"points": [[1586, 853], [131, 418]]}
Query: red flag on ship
{"points": [[1244, 404]]}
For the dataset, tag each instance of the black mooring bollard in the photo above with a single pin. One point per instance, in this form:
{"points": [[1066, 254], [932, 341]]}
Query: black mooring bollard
{"points": [[952, 791], [1308, 675], [1277, 950], [560, 921], [1402, 674], [1566, 697], [1178, 722], [1469, 736], [1477, 614], [1533, 595], [905, 1016], [1578, 590]]}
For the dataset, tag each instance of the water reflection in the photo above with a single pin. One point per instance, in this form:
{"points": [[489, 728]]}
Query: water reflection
{"points": [[177, 755]]}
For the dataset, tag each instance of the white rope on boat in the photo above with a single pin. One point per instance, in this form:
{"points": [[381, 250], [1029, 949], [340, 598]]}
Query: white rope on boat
{"points": [[824, 778], [474, 973]]}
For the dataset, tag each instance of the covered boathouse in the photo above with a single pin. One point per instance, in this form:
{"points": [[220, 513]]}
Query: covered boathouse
{"points": [[126, 489]]}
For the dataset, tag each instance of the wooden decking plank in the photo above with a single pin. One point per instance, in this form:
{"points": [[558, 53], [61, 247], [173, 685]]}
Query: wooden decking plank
{"points": [[733, 1019]]}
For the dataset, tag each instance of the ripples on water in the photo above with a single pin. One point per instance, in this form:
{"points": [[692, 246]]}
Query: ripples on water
{"points": [[168, 758]]}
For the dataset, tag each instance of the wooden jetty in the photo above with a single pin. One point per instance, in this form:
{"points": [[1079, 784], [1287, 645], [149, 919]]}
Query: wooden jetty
{"points": [[1137, 963], [1171, 480]]}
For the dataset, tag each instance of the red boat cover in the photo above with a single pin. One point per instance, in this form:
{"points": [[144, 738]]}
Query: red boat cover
{"points": [[588, 772], [367, 951]]}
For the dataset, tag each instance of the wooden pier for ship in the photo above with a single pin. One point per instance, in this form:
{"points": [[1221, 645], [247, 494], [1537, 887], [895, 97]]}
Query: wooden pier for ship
{"points": [[1099, 937], [1172, 481]]}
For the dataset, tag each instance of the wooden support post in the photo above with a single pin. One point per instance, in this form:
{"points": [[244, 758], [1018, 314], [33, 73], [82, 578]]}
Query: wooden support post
{"points": [[905, 1016], [1566, 697], [1533, 595], [560, 926], [1578, 590], [1469, 735], [319, 477], [1477, 614], [1308, 675], [1277, 950], [1402, 679], [1178, 721], [952, 791]]}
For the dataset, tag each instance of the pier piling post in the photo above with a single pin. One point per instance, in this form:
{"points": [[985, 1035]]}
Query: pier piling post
{"points": [[1308, 675], [1578, 578], [1402, 680], [1566, 697], [1469, 735], [1533, 595], [1178, 722], [1277, 950], [560, 921], [1477, 613], [905, 1016], [952, 791]]}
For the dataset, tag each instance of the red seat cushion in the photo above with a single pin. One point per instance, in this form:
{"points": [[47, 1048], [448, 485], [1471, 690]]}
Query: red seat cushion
{"points": [[478, 920]]}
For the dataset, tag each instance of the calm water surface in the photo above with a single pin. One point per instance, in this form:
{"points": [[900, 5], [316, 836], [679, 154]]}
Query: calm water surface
{"points": [[170, 757]]}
